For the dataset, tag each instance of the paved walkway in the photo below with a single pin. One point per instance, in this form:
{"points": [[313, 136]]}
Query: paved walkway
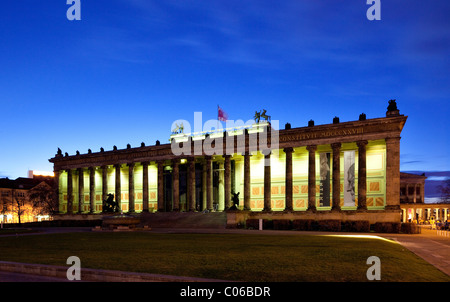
{"points": [[428, 245], [433, 248]]}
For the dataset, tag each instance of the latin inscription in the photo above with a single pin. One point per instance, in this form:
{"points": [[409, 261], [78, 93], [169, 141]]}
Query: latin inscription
{"points": [[324, 134]]}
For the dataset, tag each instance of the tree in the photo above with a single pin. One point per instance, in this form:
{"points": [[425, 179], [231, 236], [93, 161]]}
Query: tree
{"points": [[4, 206], [445, 191], [18, 204], [43, 200]]}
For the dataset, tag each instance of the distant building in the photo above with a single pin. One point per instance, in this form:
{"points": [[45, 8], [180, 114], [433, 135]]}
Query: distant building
{"points": [[412, 188], [412, 201], [14, 201]]}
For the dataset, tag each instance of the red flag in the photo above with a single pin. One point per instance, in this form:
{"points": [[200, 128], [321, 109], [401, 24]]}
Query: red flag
{"points": [[222, 115]]}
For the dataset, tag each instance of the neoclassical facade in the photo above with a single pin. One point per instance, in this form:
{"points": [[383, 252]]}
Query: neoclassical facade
{"points": [[343, 170], [412, 201]]}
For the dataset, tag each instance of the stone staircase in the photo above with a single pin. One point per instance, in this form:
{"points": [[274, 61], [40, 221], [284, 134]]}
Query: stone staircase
{"points": [[214, 220]]}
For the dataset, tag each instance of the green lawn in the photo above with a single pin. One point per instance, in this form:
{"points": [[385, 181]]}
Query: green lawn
{"points": [[225, 256]]}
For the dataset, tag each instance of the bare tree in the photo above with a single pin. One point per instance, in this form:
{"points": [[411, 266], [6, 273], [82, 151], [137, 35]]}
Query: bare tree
{"points": [[18, 204], [42, 199], [445, 191], [4, 207]]}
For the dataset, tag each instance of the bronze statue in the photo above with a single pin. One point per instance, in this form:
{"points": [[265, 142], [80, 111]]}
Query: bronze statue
{"points": [[265, 116], [259, 115], [235, 199], [111, 206], [392, 105]]}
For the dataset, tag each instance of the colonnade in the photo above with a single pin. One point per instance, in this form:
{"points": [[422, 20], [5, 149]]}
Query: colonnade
{"points": [[392, 180], [425, 212]]}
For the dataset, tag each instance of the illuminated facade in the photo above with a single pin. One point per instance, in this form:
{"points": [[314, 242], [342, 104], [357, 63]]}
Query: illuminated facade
{"points": [[15, 205], [344, 170], [412, 197]]}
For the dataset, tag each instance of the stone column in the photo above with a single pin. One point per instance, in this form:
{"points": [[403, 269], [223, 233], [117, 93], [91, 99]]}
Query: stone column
{"points": [[336, 195], [80, 190], [56, 190], [407, 192], [69, 192], [267, 182], [118, 187], [209, 187], [131, 203], [247, 183], [288, 179], [160, 185], [392, 173], [104, 185], [221, 188], [227, 181], [176, 184], [191, 184], [204, 193], [144, 186], [362, 176], [312, 177], [91, 190], [422, 192], [415, 193]]}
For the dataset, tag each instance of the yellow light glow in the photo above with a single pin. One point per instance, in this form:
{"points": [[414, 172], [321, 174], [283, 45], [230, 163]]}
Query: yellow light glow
{"points": [[363, 236], [43, 173]]}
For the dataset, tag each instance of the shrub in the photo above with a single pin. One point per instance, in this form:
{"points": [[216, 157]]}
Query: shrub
{"points": [[252, 224], [356, 226], [387, 227], [332, 225], [303, 224], [282, 224], [267, 224], [410, 228]]}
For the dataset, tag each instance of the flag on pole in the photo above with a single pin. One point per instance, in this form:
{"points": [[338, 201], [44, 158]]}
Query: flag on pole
{"points": [[221, 115]]}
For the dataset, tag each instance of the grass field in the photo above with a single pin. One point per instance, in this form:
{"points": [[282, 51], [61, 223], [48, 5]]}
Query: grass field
{"points": [[238, 257]]}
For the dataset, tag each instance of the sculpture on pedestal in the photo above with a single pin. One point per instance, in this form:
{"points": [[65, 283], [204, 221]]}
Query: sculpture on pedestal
{"points": [[258, 115], [111, 206]]}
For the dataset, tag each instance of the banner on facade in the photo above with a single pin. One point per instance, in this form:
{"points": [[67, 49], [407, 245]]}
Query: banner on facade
{"points": [[349, 178], [324, 179]]}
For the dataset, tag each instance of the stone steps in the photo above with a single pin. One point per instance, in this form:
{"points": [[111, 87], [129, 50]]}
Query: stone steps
{"points": [[214, 220]]}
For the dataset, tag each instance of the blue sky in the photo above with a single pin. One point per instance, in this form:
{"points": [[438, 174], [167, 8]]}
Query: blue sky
{"points": [[129, 68]]}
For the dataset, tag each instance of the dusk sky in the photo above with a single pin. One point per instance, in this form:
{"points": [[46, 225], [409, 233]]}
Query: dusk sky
{"points": [[129, 68]]}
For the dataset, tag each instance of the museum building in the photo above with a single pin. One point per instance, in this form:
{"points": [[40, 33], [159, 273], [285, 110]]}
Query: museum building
{"points": [[342, 170]]}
